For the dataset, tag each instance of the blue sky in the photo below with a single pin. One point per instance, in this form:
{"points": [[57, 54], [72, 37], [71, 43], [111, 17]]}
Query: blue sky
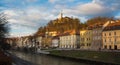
{"points": [[26, 16]]}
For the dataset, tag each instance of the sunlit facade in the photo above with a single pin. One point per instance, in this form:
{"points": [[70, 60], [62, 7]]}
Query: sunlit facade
{"points": [[111, 36], [85, 39], [69, 40], [39, 41]]}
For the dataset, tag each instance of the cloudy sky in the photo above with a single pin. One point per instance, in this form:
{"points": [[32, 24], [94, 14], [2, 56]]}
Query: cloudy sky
{"points": [[26, 16]]}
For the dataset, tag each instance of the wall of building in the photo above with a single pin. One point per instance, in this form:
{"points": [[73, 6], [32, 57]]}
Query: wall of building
{"points": [[69, 41], [55, 42], [97, 39], [111, 39], [85, 39]]}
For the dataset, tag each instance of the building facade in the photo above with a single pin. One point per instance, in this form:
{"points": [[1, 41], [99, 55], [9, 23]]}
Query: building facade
{"points": [[97, 38], [111, 36], [69, 40], [38, 41], [85, 39], [55, 42], [97, 35]]}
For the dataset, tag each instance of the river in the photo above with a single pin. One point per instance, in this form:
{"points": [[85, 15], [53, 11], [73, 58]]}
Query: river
{"points": [[40, 59]]}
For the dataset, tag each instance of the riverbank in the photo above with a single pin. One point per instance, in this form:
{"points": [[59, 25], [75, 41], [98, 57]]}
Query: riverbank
{"points": [[17, 60], [107, 58], [4, 59], [43, 59]]}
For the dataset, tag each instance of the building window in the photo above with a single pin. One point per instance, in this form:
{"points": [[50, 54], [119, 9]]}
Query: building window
{"points": [[109, 40], [115, 47], [83, 39], [105, 47], [105, 40], [87, 39], [114, 33], [109, 34], [115, 40], [110, 47], [105, 34], [89, 44]]}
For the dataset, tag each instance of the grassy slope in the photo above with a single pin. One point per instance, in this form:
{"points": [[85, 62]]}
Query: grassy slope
{"points": [[113, 57]]}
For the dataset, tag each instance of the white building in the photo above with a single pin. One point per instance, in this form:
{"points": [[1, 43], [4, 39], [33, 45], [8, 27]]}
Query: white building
{"points": [[38, 41], [69, 40], [55, 41]]}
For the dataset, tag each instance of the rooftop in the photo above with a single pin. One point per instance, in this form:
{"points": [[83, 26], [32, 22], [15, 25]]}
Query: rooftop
{"points": [[113, 26]]}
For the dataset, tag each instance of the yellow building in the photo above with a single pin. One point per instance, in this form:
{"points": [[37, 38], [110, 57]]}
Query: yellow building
{"points": [[85, 39], [52, 33], [111, 36]]}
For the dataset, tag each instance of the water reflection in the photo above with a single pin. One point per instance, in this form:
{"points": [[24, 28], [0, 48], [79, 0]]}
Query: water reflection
{"points": [[39, 59]]}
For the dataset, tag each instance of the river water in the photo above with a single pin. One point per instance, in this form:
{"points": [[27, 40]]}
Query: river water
{"points": [[40, 59]]}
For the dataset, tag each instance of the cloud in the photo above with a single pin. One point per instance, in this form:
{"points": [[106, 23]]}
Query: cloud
{"points": [[109, 8], [29, 19], [95, 8], [52, 1], [18, 34], [29, 16], [10, 13], [31, 0], [92, 9], [59, 1]]}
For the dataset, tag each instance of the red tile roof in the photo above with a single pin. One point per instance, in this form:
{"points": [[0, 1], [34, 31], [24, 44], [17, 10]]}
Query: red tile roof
{"points": [[113, 26]]}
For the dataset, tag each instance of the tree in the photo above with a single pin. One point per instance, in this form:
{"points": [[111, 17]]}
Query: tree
{"points": [[95, 20], [4, 29], [61, 25]]}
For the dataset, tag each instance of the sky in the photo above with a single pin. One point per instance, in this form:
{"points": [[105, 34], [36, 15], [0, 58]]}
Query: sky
{"points": [[26, 16]]}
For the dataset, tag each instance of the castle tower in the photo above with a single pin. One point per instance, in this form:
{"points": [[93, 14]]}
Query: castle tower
{"points": [[60, 15]]}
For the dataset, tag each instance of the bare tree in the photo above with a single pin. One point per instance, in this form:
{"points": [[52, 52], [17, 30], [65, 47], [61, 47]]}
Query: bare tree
{"points": [[4, 29]]}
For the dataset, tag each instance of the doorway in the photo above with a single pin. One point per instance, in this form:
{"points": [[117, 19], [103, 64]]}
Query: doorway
{"points": [[110, 47], [115, 47]]}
